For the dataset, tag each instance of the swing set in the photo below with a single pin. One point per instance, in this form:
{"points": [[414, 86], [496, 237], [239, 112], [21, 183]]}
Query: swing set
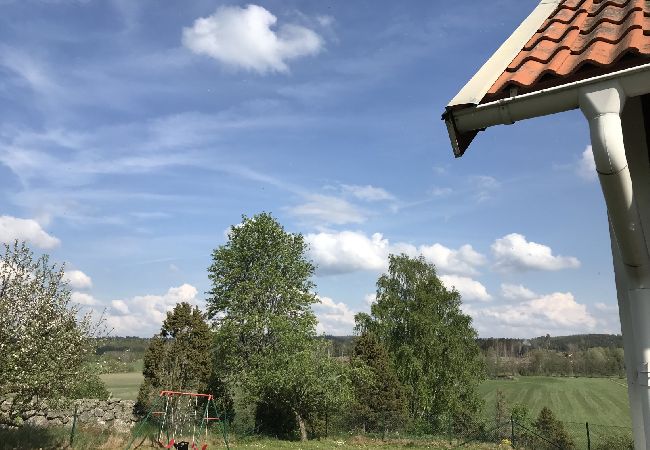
{"points": [[179, 420]]}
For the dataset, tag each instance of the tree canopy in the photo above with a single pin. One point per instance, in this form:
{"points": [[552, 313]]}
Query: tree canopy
{"points": [[180, 357], [260, 304], [44, 338], [431, 342]]}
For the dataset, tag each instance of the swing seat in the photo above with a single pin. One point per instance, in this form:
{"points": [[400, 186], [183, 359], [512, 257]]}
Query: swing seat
{"points": [[196, 447], [170, 445]]}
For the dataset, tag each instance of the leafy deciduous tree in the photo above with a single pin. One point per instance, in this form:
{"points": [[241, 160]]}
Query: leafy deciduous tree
{"points": [[260, 303], [432, 343], [44, 339]]}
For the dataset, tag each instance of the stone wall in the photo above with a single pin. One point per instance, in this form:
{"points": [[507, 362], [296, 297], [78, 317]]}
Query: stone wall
{"points": [[113, 413]]}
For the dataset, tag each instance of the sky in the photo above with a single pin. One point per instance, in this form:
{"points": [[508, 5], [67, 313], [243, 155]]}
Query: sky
{"points": [[133, 134]]}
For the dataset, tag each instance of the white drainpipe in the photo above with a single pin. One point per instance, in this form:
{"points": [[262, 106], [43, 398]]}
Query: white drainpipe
{"points": [[602, 105]]}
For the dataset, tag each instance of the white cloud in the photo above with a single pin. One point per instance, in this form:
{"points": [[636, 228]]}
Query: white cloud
{"points": [[370, 298], [12, 228], [243, 38], [367, 193], [350, 251], [143, 315], [333, 318], [462, 261], [556, 313], [77, 279], [325, 209], [603, 307], [83, 299], [514, 253], [516, 292], [586, 166], [468, 288], [120, 306]]}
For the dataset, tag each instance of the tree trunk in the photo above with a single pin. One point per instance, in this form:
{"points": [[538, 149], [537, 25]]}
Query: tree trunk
{"points": [[303, 428]]}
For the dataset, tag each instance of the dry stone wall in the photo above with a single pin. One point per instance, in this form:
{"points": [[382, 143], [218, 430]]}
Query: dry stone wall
{"points": [[112, 413]]}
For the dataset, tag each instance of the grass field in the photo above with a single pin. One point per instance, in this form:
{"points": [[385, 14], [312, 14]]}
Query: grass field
{"points": [[595, 400], [123, 385]]}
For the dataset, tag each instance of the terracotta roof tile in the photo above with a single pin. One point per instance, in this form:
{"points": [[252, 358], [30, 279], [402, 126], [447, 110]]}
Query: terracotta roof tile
{"points": [[581, 38]]}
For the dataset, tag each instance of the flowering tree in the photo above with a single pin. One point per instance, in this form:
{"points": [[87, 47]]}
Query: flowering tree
{"points": [[44, 340]]}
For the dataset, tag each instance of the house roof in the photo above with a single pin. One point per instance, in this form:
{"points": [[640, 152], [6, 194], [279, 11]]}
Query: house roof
{"points": [[560, 42], [589, 37]]}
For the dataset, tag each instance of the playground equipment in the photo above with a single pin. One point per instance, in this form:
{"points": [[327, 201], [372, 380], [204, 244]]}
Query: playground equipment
{"points": [[181, 420]]}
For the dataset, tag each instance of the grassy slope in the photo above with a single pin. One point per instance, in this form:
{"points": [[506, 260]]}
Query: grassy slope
{"points": [[123, 385], [594, 400]]}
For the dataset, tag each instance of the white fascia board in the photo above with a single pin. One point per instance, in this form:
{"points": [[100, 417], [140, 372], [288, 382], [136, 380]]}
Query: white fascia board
{"points": [[634, 81], [476, 88]]}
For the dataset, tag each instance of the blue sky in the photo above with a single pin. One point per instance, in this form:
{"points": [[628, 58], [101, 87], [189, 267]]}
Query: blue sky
{"points": [[133, 134]]}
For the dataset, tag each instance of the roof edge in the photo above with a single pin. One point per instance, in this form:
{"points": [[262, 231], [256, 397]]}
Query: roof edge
{"points": [[476, 88], [463, 124]]}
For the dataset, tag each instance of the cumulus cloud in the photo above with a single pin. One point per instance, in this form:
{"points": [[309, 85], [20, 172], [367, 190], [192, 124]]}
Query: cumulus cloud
{"points": [[370, 298], [83, 298], [367, 193], [350, 251], [142, 315], [516, 292], [514, 253], [325, 209], [465, 260], [333, 318], [468, 288], [556, 313], [244, 38], [12, 228], [586, 166], [77, 279]]}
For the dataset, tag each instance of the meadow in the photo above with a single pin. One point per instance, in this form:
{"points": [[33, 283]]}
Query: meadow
{"points": [[595, 400], [123, 385]]}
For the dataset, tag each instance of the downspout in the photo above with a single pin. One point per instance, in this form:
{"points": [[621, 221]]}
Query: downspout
{"points": [[601, 105]]}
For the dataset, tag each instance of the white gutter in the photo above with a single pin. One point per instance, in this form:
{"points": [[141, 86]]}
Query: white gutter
{"points": [[634, 81], [476, 88]]}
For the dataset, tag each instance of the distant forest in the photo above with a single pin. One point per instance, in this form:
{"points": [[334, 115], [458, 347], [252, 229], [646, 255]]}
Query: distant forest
{"points": [[576, 355]]}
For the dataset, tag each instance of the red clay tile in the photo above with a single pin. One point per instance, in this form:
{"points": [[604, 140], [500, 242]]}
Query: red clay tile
{"points": [[581, 38]]}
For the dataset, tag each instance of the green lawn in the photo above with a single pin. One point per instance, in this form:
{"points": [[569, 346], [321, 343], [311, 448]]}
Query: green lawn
{"points": [[595, 400], [123, 385]]}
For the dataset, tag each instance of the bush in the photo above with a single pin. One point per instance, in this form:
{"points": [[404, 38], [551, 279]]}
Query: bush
{"points": [[553, 430]]}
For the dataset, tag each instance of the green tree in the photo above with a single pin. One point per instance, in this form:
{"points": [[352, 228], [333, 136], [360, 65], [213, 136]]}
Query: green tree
{"points": [[379, 403], [553, 430], [432, 343], [260, 304], [180, 357], [45, 340]]}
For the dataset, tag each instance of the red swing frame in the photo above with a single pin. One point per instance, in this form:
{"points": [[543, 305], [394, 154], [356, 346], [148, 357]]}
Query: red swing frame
{"points": [[166, 393]]}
